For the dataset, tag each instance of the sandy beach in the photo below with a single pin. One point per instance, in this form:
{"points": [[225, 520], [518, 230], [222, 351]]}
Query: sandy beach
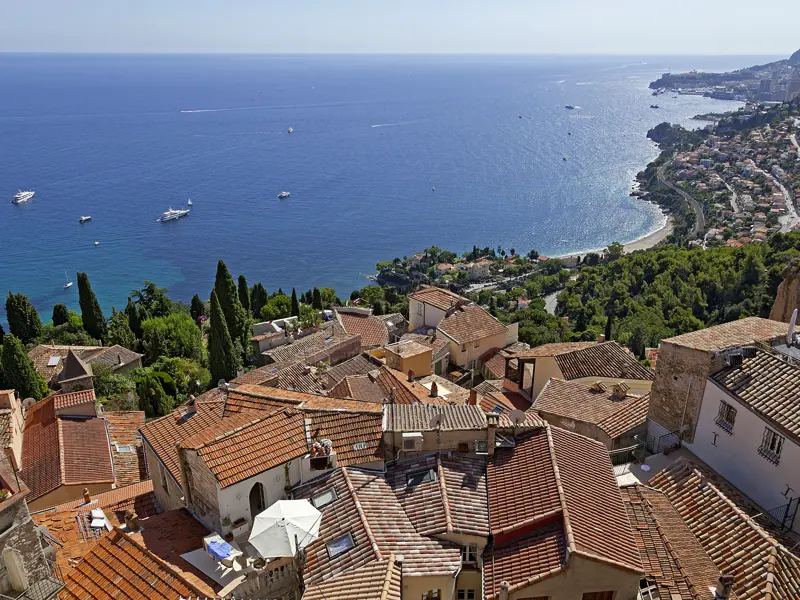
{"points": [[652, 239]]}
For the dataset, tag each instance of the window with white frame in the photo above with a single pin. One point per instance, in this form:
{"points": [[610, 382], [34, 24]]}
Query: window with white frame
{"points": [[466, 595], [419, 308], [726, 417], [432, 595], [469, 553], [771, 445], [481, 447]]}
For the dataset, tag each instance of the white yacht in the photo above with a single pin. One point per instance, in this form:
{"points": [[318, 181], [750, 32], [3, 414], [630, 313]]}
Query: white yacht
{"points": [[291, 130], [85, 218], [284, 194], [172, 214], [189, 203], [22, 197], [68, 282]]}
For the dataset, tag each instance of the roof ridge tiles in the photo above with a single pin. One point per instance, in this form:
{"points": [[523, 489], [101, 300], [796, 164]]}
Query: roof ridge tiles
{"points": [[387, 579], [571, 547], [361, 515], [443, 489]]}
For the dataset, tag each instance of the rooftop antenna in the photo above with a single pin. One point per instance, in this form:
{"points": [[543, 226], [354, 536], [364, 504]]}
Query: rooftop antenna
{"points": [[790, 333], [436, 423]]}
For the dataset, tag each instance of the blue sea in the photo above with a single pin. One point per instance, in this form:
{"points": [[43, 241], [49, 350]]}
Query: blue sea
{"points": [[123, 138]]}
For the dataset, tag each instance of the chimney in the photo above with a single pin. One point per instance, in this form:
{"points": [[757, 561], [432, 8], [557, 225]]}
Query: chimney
{"points": [[601, 338], [191, 409], [119, 359], [473, 397], [410, 375], [131, 520], [724, 587], [434, 390], [504, 590], [492, 420], [87, 497]]}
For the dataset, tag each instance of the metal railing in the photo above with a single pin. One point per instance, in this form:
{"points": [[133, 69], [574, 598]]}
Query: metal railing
{"points": [[783, 516], [670, 440]]}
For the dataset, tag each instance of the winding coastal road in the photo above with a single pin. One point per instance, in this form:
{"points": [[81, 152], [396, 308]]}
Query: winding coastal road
{"points": [[700, 219]]}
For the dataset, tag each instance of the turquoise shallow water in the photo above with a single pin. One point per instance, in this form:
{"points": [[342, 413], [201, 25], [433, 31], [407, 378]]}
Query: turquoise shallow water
{"points": [[123, 138]]}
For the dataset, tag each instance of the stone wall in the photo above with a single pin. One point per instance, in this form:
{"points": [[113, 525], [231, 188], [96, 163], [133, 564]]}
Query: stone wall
{"points": [[19, 532], [201, 490], [677, 391]]}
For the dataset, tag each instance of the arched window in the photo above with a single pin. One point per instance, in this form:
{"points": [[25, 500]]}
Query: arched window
{"points": [[258, 503]]}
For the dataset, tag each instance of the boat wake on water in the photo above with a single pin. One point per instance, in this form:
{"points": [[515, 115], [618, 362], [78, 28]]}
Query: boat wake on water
{"points": [[394, 124]]}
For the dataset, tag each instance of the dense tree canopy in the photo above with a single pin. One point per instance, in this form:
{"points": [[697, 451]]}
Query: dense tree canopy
{"points": [[278, 307], [60, 314], [92, 315], [23, 319], [119, 331], [18, 370], [258, 298], [175, 335]]}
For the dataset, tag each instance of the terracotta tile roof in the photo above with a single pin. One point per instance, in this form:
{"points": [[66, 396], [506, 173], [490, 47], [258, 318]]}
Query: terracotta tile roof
{"points": [[357, 437], [313, 347], [262, 375], [525, 560], [735, 333], [302, 378], [580, 402], [266, 443], [504, 402], [769, 385], [490, 385], [171, 534], [735, 542], [164, 434], [674, 561], [231, 423], [6, 427], [469, 323], [405, 392], [417, 417], [359, 387], [454, 502], [495, 363], [64, 400], [438, 297], [599, 521], [138, 496], [378, 580], [248, 397], [602, 360], [367, 508], [123, 430], [41, 465], [553, 349], [119, 567], [40, 355], [373, 331], [339, 404], [85, 452], [358, 365], [438, 343], [114, 356]]}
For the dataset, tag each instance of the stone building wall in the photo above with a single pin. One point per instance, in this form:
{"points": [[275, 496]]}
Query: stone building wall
{"points": [[201, 490]]}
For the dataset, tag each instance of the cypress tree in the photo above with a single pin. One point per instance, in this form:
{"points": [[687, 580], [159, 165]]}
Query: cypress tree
{"points": [[134, 318], [228, 298], [221, 352], [197, 309], [316, 301], [2, 334], [244, 294], [93, 320], [609, 322], [258, 298], [18, 370], [23, 319], [295, 304], [377, 308], [60, 314]]}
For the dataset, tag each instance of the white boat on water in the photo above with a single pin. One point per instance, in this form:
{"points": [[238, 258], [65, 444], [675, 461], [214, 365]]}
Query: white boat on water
{"points": [[284, 195], [68, 283], [190, 203], [172, 214], [291, 130], [85, 218], [22, 197]]}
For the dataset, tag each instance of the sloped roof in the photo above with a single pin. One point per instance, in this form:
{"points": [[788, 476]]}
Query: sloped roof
{"points": [[258, 398], [138, 496], [378, 580], [64, 400], [490, 385], [417, 417], [608, 359], [40, 356], [358, 365], [41, 465], [438, 297], [405, 392], [357, 437], [469, 323], [439, 344], [734, 540], [123, 430], [118, 567], [373, 331], [495, 362], [165, 433], [311, 345], [735, 333], [114, 356], [74, 368], [769, 385], [554, 349], [359, 387], [580, 402], [85, 452], [673, 558], [504, 401]]}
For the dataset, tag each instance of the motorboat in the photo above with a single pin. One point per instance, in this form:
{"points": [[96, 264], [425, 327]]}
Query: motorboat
{"points": [[284, 195], [97, 243], [569, 107], [68, 283], [22, 197], [172, 214], [85, 218], [291, 130]]}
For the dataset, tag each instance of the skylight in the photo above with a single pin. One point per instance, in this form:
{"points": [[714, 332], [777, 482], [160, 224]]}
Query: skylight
{"points": [[324, 498], [54, 360], [418, 477], [340, 545]]}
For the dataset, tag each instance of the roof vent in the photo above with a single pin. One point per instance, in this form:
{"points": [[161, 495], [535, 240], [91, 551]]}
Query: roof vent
{"points": [[434, 390], [410, 375], [749, 352], [599, 386], [724, 587], [620, 390]]}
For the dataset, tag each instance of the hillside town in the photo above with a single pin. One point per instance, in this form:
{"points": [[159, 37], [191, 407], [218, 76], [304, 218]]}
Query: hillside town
{"points": [[433, 457]]}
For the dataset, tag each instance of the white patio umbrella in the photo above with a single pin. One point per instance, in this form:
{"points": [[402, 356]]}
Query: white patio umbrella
{"points": [[284, 528]]}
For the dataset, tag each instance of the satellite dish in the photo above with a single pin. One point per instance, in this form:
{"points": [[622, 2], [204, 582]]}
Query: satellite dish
{"points": [[436, 421], [792, 323], [517, 417], [221, 384]]}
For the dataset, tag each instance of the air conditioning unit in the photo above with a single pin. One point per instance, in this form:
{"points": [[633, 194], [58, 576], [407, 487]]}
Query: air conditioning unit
{"points": [[412, 441]]}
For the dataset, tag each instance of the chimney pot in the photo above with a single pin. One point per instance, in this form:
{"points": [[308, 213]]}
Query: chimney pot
{"points": [[601, 338], [724, 587], [86, 495], [473, 397], [131, 520], [434, 390], [410, 375], [504, 585]]}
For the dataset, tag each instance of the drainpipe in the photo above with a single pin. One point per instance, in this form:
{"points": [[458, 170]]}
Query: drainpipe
{"points": [[685, 404]]}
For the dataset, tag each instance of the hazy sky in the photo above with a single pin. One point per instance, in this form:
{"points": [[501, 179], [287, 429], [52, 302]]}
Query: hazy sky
{"points": [[641, 27]]}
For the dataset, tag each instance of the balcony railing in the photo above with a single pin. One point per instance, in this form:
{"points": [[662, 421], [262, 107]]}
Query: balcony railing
{"points": [[725, 425], [783, 516], [770, 455], [44, 589]]}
